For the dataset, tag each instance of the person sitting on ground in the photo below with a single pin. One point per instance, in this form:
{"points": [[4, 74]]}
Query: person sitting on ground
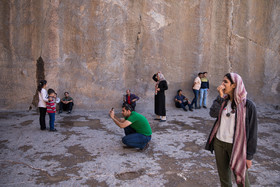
{"points": [[66, 103], [131, 99], [136, 128], [181, 101]]}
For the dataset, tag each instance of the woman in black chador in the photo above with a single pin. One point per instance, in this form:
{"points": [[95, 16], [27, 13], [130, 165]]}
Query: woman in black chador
{"points": [[160, 87]]}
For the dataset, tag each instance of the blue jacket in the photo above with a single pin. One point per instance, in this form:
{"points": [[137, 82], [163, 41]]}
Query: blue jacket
{"points": [[132, 96]]}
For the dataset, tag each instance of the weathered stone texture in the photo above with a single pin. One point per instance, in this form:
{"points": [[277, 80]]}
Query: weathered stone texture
{"points": [[97, 49]]}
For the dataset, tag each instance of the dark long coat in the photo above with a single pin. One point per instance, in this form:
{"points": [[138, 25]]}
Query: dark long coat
{"points": [[160, 109]]}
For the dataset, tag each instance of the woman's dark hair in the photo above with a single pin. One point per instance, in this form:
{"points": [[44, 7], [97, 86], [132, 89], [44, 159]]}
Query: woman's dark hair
{"points": [[155, 77], [41, 84], [233, 105], [229, 78]]}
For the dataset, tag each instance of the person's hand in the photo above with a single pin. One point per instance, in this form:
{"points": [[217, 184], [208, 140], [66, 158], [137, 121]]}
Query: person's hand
{"points": [[221, 90], [180, 101], [248, 163], [112, 113], [158, 89]]}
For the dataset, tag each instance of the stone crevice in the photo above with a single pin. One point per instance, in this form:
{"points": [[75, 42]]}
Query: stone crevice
{"points": [[43, 30], [254, 42], [21, 163], [230, 35]]}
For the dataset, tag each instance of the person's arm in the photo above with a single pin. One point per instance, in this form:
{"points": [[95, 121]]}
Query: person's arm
{"points": [[135, 98], [252, 127], [121, 123], [124, 98], [177, 100], [162, 86], [63, 100], [194, 82], [216, 106], [119, 119], [44, 95], [187, 100], [70, 101]]}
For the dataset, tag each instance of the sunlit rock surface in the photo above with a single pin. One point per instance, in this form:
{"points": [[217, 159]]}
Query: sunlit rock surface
{"points": [[97, 49]]}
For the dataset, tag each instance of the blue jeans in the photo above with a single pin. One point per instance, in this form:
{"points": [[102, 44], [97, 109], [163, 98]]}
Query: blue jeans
{"points": [[203, 96], [52, 119], [183, 105], [134, 139], [194, 101]]}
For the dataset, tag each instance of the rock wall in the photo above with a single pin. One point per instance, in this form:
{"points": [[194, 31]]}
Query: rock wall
{"points": [[97, 49]]}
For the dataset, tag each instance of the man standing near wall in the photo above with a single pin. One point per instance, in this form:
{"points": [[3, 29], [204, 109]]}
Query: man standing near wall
{"points": [[203, 90]]}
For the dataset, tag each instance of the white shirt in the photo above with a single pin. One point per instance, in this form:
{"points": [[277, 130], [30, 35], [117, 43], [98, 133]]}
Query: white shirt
{"points": [[197, 83], [226, 130], [43, 98]]}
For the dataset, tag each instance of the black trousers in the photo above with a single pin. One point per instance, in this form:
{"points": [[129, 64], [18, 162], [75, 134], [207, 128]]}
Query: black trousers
{"points": [[66, 107], [42, 118]]}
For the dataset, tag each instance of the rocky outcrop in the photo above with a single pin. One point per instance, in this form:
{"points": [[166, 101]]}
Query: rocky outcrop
{"points": [[97, 49]]}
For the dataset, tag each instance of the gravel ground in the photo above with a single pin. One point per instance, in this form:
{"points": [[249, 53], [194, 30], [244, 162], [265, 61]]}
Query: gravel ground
{"points": [[87, 151]]}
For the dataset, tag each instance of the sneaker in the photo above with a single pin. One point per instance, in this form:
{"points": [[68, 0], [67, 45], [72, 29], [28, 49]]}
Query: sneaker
{"points": [[128, 147], [146, 147], [157, 119], [204, 107], [191, 109], [53, 130], [185, 109], [162, 120], [69, 112], [199, 107]]}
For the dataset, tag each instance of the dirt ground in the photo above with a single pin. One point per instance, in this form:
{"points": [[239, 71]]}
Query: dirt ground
{"points": [[87, 151]]}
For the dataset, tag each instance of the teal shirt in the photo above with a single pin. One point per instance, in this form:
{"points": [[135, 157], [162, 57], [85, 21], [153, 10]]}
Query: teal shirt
{"points": [[67, 99], [139, 123]]}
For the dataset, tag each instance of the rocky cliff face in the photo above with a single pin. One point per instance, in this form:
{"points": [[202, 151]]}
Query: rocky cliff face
{"points": [[97, 49]]}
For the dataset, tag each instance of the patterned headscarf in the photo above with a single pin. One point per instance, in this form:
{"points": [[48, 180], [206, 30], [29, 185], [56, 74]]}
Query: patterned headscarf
{"points": [[238, 156], [161, 78]]}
